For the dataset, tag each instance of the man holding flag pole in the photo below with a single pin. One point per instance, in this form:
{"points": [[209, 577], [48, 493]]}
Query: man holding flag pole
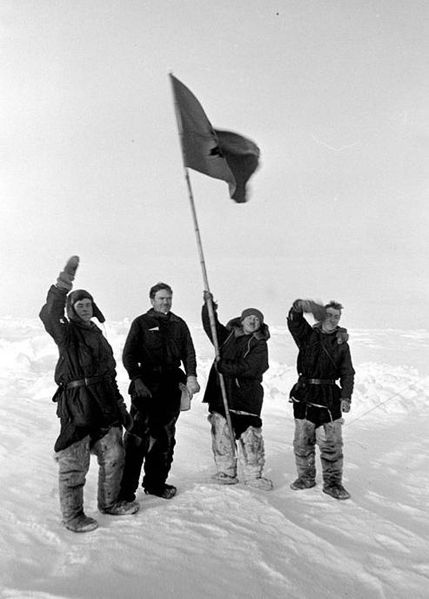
{"points": [[222, 155], [242, 362]]}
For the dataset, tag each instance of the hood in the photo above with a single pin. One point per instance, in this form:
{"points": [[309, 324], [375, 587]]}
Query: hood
{"points": [[235, 325], [76, 296]]}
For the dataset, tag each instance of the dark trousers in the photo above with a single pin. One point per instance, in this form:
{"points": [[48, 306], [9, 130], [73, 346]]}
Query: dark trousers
{"points": [[151, 440]]}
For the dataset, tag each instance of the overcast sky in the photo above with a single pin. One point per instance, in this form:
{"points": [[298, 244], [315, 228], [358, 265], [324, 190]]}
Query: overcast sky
{"points": [[335, 93]]}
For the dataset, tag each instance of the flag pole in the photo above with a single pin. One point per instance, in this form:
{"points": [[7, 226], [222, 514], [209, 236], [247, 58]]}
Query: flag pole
{"points": [[209, 300]]}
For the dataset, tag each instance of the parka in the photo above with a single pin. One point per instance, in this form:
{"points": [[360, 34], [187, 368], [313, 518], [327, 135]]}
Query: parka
{"points": [[156, 346], [243, 361], [88, 398], [320, 358]]}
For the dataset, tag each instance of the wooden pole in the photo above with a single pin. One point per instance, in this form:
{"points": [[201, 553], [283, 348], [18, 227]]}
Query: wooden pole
{"points": [[209, 301]]}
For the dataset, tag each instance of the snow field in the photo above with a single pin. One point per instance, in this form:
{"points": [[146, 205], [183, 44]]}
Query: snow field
{"points": [[213, 541]]}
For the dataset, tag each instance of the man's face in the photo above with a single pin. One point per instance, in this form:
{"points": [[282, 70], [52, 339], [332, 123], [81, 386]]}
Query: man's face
{"points": [[162, 301], [250, 324], [83, 309], [332, 319]]}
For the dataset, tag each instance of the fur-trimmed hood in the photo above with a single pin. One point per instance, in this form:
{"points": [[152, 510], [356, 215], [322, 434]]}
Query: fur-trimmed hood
{"points": [[76, 296], [235, 325]]}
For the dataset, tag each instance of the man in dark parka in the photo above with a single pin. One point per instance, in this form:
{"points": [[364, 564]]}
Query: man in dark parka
{"points": [[89, 404], [318, 402], [242, 362], [157, 344]]}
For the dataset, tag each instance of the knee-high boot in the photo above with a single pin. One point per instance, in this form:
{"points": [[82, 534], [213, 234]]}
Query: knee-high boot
{"points": [[330, 441], [110, 455], [225, 461], [73, 464], [253, 456], [304, 445]]}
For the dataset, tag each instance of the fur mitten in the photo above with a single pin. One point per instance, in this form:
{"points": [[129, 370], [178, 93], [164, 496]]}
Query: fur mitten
{"points": [[207, 296], [312, 307], [192, 385], [345, 405], [66, 276]]}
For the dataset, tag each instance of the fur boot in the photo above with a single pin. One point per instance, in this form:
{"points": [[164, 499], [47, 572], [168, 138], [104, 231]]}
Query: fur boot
{"points": [[73, 466], [304, 444], [110, 455], [222, 450], [253, 455]]}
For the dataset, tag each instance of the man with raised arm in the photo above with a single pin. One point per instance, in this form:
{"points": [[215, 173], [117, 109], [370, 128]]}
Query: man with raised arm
{"points": [[318, 399], [89, 404]]}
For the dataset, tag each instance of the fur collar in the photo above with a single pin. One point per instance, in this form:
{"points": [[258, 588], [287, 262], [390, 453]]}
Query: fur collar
{"points": [[234, 325]]}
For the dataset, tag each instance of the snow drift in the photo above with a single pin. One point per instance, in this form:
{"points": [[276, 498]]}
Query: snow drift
{"points": [[212, 541]]}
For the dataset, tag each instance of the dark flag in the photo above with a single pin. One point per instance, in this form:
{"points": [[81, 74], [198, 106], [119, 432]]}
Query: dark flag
{"points": [[220, 154]]}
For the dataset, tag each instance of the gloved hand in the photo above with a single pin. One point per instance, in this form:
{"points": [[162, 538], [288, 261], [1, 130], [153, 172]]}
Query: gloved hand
{"points": [[297, 305], [346, 404], [185, 398], [127, 420], [219, 364], [206, 296], [342, 335], [66, 277], [141, 390], [192, 385], [310, 306], [314, 308]]}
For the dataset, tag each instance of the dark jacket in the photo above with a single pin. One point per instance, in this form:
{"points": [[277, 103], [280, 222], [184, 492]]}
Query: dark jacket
{"points": [[83, 353], [244, 359], [156, 346], [320, 357]]}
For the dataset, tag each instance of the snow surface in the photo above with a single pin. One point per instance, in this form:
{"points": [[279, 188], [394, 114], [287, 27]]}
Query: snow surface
{"points": [[234, 542]]}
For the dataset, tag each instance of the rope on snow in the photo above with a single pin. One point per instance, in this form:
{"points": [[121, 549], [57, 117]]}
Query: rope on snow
{"points": [[379, 404]]}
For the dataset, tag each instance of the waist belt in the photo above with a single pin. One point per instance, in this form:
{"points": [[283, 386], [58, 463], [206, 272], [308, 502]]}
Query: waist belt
{"points": [[318, 381], [241, 413], [86, 382]]}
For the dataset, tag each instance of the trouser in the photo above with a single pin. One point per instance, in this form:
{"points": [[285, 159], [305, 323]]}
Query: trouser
{"points": [[74, 463], [251, 449], [328, 437], [152, 441]]}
